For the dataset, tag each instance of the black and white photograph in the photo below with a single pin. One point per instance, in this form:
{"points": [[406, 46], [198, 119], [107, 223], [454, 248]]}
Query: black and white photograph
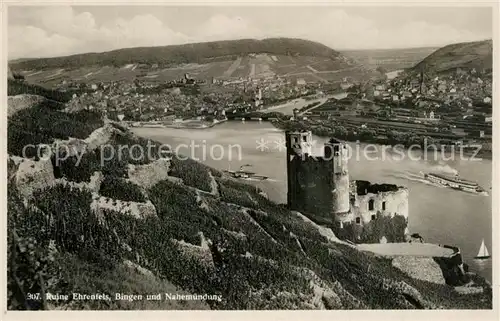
{"points": [[249, 157]]}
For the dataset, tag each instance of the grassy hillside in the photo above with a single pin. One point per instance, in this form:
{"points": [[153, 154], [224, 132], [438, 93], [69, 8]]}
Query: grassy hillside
{"points": [[210, 235], [467, 55], [181, 54]]}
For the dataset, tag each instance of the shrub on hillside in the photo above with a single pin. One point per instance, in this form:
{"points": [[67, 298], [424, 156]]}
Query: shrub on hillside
{"points": [[19, 87], [246, 193], [138, 150], [74, 168], [72, 224], [390, 228], [63, 223], [40, 125], [236, 196], [121, 189], [177, 207], [192, 173], [25, 143]]}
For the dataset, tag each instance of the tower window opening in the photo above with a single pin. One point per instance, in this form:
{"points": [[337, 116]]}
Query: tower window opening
{"points": [[371, 205], [304, 138], [295, 140], [358, 220], [383, 206]]}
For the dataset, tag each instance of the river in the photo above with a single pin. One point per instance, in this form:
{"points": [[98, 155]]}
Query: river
{"points": [[440, 215]]}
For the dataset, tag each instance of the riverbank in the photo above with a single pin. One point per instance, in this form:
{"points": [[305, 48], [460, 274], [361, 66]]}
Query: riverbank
{"points": [[194, 124], [471, 151]]}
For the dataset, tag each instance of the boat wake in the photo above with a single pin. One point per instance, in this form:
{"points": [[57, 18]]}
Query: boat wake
{"points": [[410, 176]]}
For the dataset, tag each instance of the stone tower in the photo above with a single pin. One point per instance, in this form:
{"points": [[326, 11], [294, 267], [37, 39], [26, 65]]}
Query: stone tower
{"points": [[298, 147], [337, 154], [318, 185]]}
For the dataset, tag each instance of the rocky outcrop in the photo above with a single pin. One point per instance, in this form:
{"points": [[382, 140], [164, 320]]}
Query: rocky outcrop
{"points": [[93, 186], [69, 147], [214, 187], [101, 136], [149, 175], [20, 102], [138, 268], [76, 146], [32, 175], [469, 288], [138, 210]]}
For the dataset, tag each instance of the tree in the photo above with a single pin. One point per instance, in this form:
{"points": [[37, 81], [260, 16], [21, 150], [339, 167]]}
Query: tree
{"points": [[341, 131], [367, 134]]}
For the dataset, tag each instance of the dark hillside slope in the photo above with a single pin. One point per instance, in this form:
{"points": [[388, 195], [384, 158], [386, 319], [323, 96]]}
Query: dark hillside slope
{"points": [[467, 55], [208, 234], [179, 54]]}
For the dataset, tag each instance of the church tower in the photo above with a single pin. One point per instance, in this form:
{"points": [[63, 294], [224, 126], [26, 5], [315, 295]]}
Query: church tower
{"points": [[337, 154]]}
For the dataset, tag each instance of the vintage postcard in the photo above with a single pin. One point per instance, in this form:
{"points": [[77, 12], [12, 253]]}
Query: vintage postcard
{"points": [[250, 157]]}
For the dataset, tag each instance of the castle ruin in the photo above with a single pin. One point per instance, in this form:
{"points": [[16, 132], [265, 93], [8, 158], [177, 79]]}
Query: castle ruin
{"points": [[320, 187]]}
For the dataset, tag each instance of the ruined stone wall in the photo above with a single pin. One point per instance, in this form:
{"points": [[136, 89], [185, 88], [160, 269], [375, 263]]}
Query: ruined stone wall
{"points": [[382, 223], [396, 203]]}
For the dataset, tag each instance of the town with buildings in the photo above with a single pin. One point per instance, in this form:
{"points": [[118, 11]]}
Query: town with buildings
{"points": [[184, 99], [454, 109]]}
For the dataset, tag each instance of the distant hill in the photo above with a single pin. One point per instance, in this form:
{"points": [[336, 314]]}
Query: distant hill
{"points": [[389, 59], [467, 55], [291, 58], [187, 53]]}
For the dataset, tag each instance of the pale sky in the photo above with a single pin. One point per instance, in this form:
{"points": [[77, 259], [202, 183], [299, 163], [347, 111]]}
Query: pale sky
{"points": [[63, 30]]}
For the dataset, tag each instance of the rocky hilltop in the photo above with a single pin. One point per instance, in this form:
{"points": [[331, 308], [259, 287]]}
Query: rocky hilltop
{"points": [[467, 55], [81, 221]]}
